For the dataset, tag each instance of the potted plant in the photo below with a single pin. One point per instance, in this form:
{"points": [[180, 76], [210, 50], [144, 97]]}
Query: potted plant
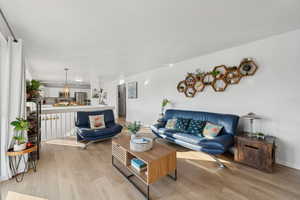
{"points": [[216, 73], [199, 74], [33, 89], [20, 126], [164, 103], [133, 128]]}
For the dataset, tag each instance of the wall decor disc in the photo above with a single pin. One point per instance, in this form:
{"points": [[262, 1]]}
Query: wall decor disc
{"points": [[181, 87], [247, 67]]}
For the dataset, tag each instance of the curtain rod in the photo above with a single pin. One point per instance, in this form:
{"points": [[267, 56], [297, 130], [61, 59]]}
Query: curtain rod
{"points": [[8, 26]]}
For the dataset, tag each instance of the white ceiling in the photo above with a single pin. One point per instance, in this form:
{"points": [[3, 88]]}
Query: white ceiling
{"points": [[109, 38]]}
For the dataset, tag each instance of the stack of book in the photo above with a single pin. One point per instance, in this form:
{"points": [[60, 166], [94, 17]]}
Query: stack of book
{"points": [[138, 165]]}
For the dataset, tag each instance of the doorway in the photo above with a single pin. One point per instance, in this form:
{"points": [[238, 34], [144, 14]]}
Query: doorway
{"points": [[122, 101]]}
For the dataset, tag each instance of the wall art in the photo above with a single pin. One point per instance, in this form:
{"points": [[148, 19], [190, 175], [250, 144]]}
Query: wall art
{"points": [[219, 78]]}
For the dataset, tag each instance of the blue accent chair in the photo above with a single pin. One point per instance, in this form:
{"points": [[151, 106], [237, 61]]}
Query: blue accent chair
{"points": [[212, 147], [85, 133]]}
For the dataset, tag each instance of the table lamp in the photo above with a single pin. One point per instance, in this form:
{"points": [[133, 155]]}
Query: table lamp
{"points": [[251, 116]]}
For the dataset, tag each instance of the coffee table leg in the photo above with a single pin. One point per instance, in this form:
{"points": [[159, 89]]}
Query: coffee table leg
{"points": [[175, 175], [148, 196]]}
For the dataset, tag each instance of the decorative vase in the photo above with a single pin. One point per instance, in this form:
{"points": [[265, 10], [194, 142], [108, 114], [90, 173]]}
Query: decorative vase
{"points": [[19, 147]]}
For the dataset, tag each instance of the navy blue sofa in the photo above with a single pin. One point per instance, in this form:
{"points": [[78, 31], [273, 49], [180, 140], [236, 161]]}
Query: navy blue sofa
{"points": [[214, 146], [85, 133]]}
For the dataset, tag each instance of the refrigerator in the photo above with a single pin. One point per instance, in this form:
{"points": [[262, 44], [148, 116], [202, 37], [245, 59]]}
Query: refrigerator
{"points": [[81, 98]]}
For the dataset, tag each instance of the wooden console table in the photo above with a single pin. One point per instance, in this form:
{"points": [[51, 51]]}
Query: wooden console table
{"points": [[257, 153], [15, 158], [160, 161]]}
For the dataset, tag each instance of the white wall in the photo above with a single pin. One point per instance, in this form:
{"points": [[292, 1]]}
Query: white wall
{"points": [[272, 93]]}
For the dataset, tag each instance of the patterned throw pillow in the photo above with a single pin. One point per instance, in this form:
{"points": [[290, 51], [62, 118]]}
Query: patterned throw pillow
{"points": [[182, 124], [97, 121], [171, 124], [196, 127], [211, 130]]}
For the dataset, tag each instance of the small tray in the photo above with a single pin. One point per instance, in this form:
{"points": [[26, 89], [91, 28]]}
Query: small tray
{"points": [[141, 147]]}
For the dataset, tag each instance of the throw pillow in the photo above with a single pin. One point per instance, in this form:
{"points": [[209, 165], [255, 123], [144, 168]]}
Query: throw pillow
{"points": [[211, 130], [196, 127], [171, 124], [97, 121], [182, 124]]}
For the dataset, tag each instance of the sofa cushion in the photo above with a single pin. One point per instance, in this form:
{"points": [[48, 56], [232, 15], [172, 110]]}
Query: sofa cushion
{"points": [[171, 123], [211, 130], [182, 124], [188, 138], [97, 121], [196, 127]]}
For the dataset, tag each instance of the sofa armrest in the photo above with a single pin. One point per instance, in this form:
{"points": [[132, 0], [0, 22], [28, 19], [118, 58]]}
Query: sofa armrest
{"points": [[156, 126], [223, 141]]}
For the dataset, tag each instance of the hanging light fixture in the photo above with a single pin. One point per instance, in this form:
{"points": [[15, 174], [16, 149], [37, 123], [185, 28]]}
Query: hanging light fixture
{"points": [[66, 89]]}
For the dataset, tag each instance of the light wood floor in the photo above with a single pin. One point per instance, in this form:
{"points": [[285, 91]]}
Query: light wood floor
{"points": [[70, 173]]}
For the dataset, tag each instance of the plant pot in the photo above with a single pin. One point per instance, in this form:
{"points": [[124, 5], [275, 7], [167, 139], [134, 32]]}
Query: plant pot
{"points": [[133, 136], [19, 147]]}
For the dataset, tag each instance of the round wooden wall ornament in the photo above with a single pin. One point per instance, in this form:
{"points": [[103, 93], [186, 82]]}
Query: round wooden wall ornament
{"points": [[222, 69], [181, 87], [208, 78], [219, 85], [232, 76], [190, 80], [199, 86], [247, 67], [190, 92]]}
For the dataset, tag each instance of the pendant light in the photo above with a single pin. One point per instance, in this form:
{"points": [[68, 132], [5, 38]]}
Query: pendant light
{"points": [[66, 89]]}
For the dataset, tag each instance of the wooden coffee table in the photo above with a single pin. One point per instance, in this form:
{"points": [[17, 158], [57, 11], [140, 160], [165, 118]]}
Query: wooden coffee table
{"points": [[160, 160]]}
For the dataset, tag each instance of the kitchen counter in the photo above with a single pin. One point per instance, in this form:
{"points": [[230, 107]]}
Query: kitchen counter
{"points": [[63, 109]]}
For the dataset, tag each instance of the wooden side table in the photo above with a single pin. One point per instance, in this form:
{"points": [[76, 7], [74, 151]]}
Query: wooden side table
{"points": [[15, 158], [257, 153]]}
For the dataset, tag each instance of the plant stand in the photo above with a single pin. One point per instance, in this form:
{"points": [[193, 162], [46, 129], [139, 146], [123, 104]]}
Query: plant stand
{"points": [[15, 158], [34, 118]]}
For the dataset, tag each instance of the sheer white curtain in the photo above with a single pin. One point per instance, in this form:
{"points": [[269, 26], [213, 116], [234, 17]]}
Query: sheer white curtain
{"points": [[12, 95]]}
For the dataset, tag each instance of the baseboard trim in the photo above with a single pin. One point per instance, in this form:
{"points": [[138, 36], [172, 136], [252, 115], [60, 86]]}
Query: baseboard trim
{"points": [[288, 164]]}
